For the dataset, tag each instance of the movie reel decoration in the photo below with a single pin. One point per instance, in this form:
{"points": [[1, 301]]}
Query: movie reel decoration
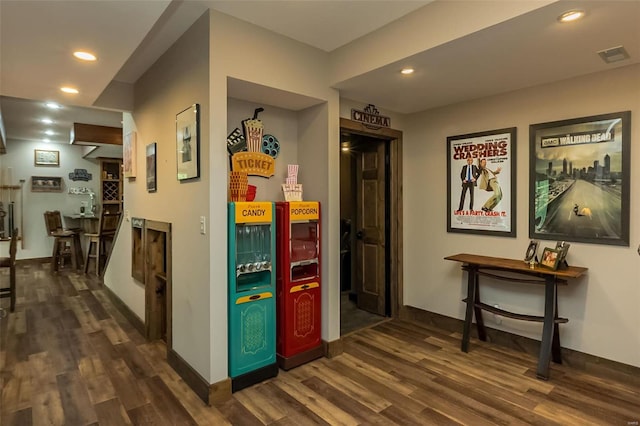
{"points": [[270, 145], [251, 151]]}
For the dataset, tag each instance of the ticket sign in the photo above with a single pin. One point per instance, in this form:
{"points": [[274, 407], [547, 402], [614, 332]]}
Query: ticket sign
{"points": [[254, 163], [258, 212], [304, 210]]}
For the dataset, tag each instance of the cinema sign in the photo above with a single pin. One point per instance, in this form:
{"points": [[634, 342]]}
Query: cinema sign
{"points": [[370, 117]]}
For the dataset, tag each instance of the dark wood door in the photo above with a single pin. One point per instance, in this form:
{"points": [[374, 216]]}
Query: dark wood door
{"points": [[370, 227]]}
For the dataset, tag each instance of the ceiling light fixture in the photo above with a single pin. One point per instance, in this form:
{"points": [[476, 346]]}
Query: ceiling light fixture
{"points": [[571, 15], [52, 105], [85, 56], [47, 121], [69, 90], [46, 140], [49, 132], [407, 71]]}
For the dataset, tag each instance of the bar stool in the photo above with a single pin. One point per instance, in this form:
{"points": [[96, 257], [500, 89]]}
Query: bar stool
{"points": [[97, 242], [10, 262], [66, 243]]}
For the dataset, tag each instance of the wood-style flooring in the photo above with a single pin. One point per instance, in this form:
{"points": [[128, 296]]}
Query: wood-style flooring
{"points": [[68, 357]]}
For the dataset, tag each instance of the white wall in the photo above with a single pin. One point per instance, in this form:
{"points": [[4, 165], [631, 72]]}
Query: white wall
{"points": [[177, 80], [20, 157], [602, 308]]}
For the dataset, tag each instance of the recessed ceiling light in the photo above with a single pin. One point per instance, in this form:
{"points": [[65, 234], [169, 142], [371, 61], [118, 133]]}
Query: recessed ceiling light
{"points": [[69, 90], [52, 105], [46, 140], [571, 15], [85, 56], [407, 71], [49, 132], [47, 121]]}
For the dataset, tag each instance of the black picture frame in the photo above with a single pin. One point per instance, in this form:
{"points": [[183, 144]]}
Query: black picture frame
{"points": [[563, 249], [572, 196], [550, 258], [497, 216], [531, 255], [46, 184], [152, 182], [188, 143]]}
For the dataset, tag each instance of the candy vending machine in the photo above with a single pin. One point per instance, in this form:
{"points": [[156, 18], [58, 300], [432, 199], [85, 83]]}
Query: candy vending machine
{"points": [[298, 283], [252, 304]]}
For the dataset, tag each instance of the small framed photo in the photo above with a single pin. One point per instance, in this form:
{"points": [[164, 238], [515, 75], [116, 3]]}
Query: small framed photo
{"points": [[550, 258], [42, 157], [188, 143], [563, 248], [531, 254]]}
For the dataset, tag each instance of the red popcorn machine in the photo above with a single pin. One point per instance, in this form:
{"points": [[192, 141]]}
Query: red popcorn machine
{"points": [[298, 295]]}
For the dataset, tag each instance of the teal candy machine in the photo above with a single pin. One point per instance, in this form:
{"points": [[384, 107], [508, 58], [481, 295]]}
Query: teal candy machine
{"points": [[252, 291]]}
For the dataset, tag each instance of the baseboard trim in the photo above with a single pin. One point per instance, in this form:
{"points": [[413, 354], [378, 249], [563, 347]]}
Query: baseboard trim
{"points": [[33, 261], [333, 348], [570, 357], [131, 316]]}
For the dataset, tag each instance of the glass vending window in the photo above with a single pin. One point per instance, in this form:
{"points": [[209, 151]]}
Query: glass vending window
{"points": [[304, 241]]}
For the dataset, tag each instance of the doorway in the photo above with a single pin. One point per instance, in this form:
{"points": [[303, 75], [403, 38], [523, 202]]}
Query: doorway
{"points": [[370, 225]]}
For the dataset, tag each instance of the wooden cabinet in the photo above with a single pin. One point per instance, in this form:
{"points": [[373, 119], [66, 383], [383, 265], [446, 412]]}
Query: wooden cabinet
{"points": [[111, 185]]}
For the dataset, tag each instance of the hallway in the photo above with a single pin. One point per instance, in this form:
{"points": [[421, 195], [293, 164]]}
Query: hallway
{"points": [[69, 357]]}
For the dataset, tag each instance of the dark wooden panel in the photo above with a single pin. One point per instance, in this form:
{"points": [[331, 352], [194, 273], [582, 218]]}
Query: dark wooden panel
{"points": [[91, 134]]}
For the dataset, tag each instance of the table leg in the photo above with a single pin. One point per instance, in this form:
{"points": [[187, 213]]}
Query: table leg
{"points": [[471, 297], [555, 346], [482, 334], [550, 296]]}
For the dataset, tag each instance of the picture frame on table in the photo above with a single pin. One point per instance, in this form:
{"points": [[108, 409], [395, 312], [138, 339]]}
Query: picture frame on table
{"points": [[46, 184], [481, 183], [188, 143], [152, 184], [47, 158], [550, 258], [579, 182], [563, 249], [531, 255]]}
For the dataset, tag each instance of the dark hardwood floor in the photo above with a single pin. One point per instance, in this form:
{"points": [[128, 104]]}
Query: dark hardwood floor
{"points": [[68, 357]]}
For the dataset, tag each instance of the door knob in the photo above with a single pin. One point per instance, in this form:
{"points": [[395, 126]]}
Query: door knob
{"points": [[359, 234]]}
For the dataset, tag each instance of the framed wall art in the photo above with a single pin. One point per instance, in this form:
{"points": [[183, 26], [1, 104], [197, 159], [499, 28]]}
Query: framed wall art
{"points": [[46, 184], [151, 167], [579, 179], [129, 154], [481, 182], [188, 143], [43, 157]]}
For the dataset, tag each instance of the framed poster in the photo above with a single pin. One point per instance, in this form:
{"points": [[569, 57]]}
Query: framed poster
{"points": [[151, 167], [188, 143], [43, 157], [481, 182], [129, 154], [579, 179]]}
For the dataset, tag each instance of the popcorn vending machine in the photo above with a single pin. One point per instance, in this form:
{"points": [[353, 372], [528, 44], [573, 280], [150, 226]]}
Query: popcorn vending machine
{"points": [[298, 283], [252, 304]]}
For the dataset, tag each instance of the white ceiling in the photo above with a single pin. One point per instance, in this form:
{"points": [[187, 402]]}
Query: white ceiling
{"points": [[36, 38]]}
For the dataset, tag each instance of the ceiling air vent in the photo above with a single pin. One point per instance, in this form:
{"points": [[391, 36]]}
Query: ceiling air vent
{"points": [[613, 54]]}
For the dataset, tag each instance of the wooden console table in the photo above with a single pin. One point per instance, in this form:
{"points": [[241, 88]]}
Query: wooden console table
{"points": [[477, 266]]}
